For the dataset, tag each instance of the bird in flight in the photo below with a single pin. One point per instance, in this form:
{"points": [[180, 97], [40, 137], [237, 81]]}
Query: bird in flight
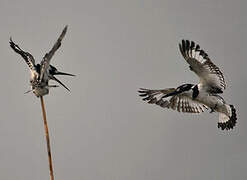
{"points": [[43, 72], [195, 98]]}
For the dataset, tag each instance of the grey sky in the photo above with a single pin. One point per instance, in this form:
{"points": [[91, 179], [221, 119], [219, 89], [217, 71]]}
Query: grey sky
{"points": [[102, 129]]}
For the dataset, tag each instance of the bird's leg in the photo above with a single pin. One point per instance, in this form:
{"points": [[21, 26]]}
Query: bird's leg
{"points": [[213, 109]]}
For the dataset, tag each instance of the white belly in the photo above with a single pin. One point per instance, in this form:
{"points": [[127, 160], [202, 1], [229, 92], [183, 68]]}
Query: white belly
{"points": [[210, 100]]}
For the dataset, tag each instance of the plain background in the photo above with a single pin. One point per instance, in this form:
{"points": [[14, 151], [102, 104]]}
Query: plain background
{"points": [[102, 130]]}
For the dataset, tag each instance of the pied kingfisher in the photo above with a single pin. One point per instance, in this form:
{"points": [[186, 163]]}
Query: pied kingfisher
{"points": [[43, 72], [192, 98]]}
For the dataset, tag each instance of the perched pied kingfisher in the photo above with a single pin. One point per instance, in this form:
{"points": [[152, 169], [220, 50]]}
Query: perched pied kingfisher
{"points": [[192, 98], [43, 72]]}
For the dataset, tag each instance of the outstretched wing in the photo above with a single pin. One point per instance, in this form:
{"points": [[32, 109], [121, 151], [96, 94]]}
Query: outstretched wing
{"points": [[209, 74], [179, 102], [25, 55], [45, 63]]}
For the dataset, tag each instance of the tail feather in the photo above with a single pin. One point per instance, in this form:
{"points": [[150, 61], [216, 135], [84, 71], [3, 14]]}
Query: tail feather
{"points": [[228, 122]]}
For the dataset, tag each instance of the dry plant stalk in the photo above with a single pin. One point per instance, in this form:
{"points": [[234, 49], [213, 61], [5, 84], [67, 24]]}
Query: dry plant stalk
{"points": [[47, 137]]}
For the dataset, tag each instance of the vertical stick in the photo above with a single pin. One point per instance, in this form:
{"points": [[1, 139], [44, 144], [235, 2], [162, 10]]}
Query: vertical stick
{"points": [[47, 138]]}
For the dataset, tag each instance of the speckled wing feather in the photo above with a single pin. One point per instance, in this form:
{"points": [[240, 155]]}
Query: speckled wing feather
{"points": [[185, 104], [47, 58], [25, 55], [179, 102], [209, 74]]}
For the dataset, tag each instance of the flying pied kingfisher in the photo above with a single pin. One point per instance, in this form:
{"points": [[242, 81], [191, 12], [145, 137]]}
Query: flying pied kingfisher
{"points": [[195, 98], [43, 72]]}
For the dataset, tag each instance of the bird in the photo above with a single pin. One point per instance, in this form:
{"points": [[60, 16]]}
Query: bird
{"points": [[42, 72], [196, 98]]}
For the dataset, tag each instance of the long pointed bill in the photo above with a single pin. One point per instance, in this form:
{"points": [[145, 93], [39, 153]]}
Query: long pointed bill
{"points": [[62, 73], [54, 78]]}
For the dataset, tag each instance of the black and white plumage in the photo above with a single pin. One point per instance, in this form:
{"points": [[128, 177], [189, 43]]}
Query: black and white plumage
{"points": [[190, 98], [43, 72]]}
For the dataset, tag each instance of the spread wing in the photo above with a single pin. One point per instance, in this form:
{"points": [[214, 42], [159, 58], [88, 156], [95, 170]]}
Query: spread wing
{"points": [[209, 74], [179, 102], [25, 55], [45, 63]]}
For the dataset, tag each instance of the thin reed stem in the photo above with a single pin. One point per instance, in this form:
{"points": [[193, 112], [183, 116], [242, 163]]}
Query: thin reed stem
{"points": [[47, 138]]}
